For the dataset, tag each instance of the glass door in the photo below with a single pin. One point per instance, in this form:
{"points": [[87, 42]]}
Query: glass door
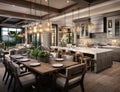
{"points": [[117, 27]]}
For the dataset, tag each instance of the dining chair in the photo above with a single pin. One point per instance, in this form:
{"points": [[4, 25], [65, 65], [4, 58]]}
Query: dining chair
{"points": [[60, 53], [23, 80], [78, 57], [7, 72], [81, 58], [74, 76], [12, 51]]}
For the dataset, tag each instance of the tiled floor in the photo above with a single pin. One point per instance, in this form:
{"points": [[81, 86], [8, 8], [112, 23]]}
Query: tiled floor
{"points": [[106, 81]]}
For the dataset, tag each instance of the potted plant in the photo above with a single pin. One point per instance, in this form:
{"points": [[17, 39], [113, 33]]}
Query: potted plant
{"points": [[43, 56], [33, 53]]}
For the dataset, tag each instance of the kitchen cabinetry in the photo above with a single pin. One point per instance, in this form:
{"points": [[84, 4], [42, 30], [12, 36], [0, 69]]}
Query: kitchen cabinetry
{"points": [[82, 30], [113, 27]]}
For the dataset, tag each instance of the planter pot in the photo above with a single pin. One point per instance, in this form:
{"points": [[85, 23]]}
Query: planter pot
{"points": [[32, 57], [44, 59]]}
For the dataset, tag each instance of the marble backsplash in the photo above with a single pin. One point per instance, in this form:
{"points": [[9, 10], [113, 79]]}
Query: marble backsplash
{"points": [[99, 39]]}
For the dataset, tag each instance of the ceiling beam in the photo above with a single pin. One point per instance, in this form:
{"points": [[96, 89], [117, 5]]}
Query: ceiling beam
{"points": [[21, 21], [5, 20], [19, 15], [28, 4], [80, 4], [10, 25]]}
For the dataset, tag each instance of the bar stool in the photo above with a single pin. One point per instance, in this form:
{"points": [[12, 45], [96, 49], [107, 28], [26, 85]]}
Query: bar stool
{"points": [[79, 57]]}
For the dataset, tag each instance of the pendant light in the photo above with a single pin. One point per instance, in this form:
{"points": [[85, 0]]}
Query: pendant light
{"points": [[35, 26], [78, 25], [48, 24], [64, 28], [30, 28], [90, 24], [73, 25], [40, 26]]}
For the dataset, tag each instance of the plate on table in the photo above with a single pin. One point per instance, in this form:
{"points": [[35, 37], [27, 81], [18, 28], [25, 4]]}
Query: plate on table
{"points": [[24, 59], [17, 57], [57, 65], [25, 54], [34, 64], [59, 59]]}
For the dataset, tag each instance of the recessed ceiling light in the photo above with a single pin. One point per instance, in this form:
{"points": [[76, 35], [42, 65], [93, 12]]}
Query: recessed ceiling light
{"points": [[46, 0], [13, 5], [68, 1]]}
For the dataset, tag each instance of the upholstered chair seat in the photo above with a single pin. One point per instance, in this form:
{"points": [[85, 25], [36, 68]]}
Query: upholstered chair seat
{"points": [[74, 76], [27, 79], [61, 81]]}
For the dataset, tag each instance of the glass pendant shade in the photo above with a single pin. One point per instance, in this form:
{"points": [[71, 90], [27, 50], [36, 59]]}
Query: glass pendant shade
{"points": [[48, 26], [30, 30], [90, 25], [35, 29], [78, 27], [40, 27]]}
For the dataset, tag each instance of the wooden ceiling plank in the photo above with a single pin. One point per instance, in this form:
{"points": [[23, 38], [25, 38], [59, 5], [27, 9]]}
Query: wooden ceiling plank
{"points": [[5, 20], [19, 15], [27, 4], [21, 21]]}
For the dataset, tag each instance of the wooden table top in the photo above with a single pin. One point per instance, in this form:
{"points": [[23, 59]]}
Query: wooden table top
{"points": [[45, 68]]}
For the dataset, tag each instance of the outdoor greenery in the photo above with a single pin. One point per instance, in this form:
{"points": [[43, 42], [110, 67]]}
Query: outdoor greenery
{"points": [[15, 36]]}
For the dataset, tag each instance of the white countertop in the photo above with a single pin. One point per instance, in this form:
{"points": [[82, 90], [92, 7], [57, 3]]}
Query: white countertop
{"points": [[107, 46], [84, 49]]}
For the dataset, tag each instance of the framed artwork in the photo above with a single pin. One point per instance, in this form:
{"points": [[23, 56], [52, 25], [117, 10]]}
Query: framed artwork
{"points": [[109, 23]]}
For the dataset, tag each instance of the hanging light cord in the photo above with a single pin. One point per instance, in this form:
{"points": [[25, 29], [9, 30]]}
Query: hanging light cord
{"points": [[40, 11], [72, 16], [35, 8], [89, 10], [48, 9], [78, 13], [64, 18]]}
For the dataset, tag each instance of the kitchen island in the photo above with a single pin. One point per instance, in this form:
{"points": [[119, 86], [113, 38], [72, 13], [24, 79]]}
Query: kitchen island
{"points": [[102, 58]]}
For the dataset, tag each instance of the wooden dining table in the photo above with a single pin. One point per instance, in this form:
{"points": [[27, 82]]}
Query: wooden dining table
{"points": [[43, 68]]}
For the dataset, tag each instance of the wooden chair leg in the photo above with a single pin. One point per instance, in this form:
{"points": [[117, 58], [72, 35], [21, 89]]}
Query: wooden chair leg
{"points": [[14, 86], [10, 82], [7, 79], [82, 86], [4, 75]]}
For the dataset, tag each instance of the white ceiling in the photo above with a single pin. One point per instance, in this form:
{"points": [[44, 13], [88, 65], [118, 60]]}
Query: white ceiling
{"points": [[110, 6], [14, 8], [54, 3]]}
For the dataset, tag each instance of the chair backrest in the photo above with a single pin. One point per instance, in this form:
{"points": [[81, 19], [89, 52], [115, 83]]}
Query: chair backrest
{"points": [[5, 62], [12, 52], [15, 69], [75, 71], [78, 57], [60, 53]]}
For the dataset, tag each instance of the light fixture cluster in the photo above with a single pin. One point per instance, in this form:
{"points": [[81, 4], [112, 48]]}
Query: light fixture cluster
{"points": [[39, 27]]}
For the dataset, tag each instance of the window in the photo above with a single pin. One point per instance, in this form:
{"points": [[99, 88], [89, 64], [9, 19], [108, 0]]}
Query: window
{"points": [[11, 35]]}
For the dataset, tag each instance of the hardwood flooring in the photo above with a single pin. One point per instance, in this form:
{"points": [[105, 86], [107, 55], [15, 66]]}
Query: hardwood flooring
{"points": [[105, 81]]}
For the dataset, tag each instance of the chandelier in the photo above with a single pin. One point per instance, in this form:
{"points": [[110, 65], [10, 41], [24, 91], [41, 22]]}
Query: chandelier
{"points": [[38, 28]]}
